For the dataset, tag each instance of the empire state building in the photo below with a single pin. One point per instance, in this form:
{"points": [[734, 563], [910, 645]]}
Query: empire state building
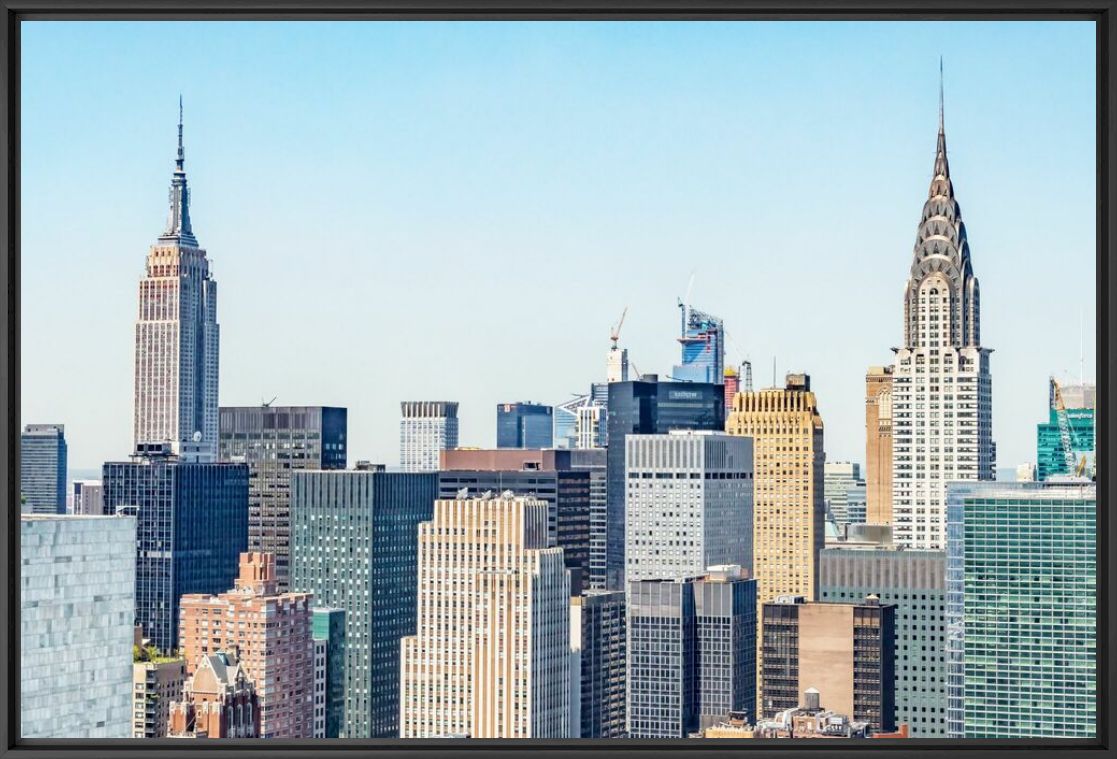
{"points": [[942, 391], [177, 333]]}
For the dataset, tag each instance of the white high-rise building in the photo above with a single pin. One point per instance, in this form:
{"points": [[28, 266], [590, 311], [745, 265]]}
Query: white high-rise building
{"points": [[177, 334], [688, 503], [616, 369], [427, 429], [491, 654], [590, 426], [839, 477], [942, 391]]}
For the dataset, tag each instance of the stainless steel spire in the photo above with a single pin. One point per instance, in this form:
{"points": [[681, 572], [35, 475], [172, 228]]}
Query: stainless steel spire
{"points": [[178, 215]]}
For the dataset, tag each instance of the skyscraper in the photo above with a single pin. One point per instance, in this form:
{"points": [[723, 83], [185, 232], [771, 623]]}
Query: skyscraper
{"points": [[426, 429], [597, 631], [42, 468], [1021, 614], [839, 477], [524, 425], [688, 503], [176, 332], [77, 591], [843, 650], [547, 475], [275, 441], [328, 630], [270, 632], [491, 654], [644, 407], [691, 652], [354, 546], [192, 525], [788, 502], [88, 498], [878, 445], [914, 582], [941, 388], [1051, 450], [702, 339]]}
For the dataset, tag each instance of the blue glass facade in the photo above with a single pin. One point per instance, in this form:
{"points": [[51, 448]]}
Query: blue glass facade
{"points": [[1050, 454], [645, 406], [524, 425], [703, 348], [355, 543], [191, 527], [42, 469]]}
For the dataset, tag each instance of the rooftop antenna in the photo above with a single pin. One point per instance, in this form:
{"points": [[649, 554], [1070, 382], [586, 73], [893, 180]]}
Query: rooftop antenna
{"points": [[774, 372], [1082, 346], [940, 96]]}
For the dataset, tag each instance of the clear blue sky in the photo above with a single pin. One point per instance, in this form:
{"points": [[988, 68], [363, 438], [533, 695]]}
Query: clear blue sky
{"points": [[461, 210]]}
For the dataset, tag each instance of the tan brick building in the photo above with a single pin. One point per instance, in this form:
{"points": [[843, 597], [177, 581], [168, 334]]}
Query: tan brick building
{"points": [[271, 632], [878, 445]]}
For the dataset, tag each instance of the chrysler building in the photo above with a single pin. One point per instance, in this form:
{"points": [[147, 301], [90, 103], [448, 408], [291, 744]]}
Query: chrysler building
{"points": [[942, 391]]}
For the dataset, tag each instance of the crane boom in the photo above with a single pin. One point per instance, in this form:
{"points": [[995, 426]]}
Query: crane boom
{"points": [[1064, 427]]}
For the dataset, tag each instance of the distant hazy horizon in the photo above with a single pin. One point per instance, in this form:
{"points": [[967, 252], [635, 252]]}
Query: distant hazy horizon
{"points": [[461, 211]]}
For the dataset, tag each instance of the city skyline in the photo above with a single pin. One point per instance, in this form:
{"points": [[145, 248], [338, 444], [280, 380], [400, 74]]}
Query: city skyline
{"points": [[570, 344]]}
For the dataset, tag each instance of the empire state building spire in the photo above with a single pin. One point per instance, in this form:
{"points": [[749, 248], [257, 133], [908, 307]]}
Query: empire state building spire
{"points": [[178, 216]]}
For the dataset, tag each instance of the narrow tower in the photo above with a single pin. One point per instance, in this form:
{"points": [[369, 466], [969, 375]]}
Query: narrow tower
{"points": [[177, 333], [942, 391]]}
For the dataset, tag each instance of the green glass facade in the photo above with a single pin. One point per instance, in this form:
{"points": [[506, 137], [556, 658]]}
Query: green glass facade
{"points": [[329, 625], [1050, 457], [1021, 610]]}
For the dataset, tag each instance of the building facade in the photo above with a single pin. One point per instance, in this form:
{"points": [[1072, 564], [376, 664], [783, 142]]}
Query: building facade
{"points": [[156, 684], [597, 631], [565, 491], [426, 429], [328, 630], [839, 477], [355, 547], [688, 503], [788, 488], [1051, 451], [941, 386], [878, 444], [1021, 610], [702, 340], [643, 407], [42, 469], [914, 582], [524, 425], [691, 652], [845, 651], [491, 654], [218, 701], [191, 527], [275, 441], [88, 498], [176, 332], [270, 632], [77, 594]]}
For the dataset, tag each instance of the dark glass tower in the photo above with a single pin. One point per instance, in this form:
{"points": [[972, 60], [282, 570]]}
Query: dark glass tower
{"points": [[355, 545], [275, 441], [524, 425], [646, 406], [191, 527]]}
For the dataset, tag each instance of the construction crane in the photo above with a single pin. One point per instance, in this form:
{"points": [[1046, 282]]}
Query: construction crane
{"points": [[1065, 433], [267, 404], [615, 334]]}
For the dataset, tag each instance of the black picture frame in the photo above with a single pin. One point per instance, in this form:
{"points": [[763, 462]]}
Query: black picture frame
{"points": [[1102, 12]]}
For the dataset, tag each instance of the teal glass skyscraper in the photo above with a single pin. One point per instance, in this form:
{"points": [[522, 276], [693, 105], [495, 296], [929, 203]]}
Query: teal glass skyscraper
{"points": [[1021, 610], [1051, 453]]}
